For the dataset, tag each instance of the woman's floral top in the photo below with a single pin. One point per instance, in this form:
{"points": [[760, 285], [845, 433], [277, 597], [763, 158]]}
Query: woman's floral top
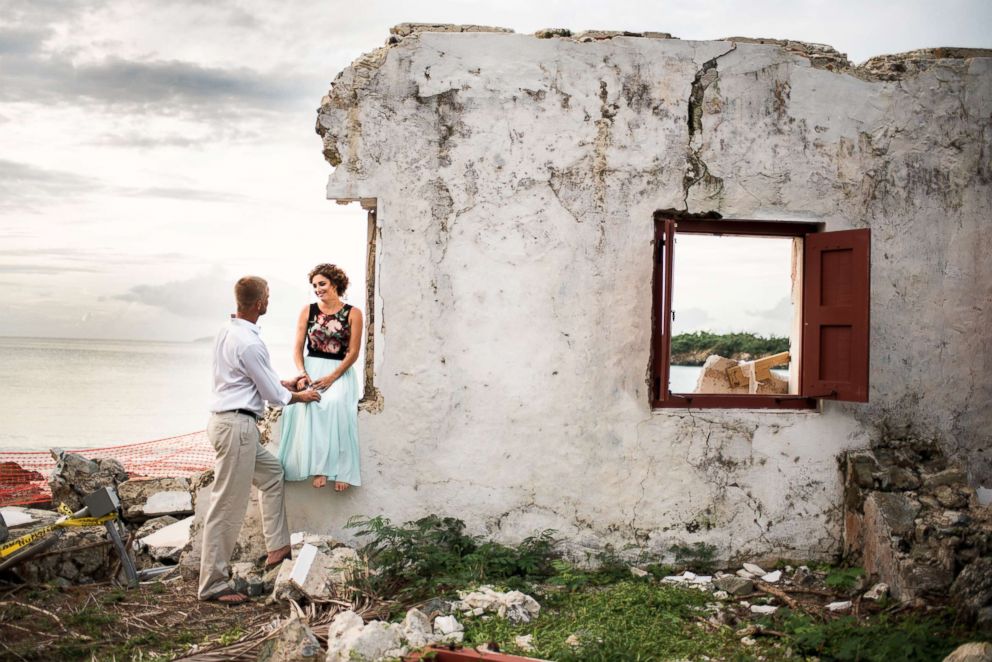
{"points": [[328, 335]]}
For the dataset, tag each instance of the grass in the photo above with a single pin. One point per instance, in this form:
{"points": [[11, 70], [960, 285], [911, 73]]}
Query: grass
{"points": [[627, 620]]}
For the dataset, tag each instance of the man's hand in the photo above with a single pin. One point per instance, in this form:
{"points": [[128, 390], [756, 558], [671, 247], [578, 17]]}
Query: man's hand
{"points": [[297, 383], [308, 395]]}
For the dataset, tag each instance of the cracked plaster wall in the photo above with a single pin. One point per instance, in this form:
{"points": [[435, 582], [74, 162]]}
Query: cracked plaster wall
{"points": [[516, 179]]}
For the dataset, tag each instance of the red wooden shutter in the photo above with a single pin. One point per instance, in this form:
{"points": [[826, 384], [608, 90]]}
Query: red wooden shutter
{"points": [[835, 315], [661, 313]]}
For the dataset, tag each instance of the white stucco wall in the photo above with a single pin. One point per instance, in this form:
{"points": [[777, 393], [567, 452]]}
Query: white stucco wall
{"points": [[516, 179]]}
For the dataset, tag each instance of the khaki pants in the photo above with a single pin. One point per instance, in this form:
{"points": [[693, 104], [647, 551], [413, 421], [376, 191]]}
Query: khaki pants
{"points": [[241, 463]]}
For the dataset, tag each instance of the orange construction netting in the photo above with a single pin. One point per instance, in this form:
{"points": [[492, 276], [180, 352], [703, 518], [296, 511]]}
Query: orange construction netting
{"points": [[24, 474]]}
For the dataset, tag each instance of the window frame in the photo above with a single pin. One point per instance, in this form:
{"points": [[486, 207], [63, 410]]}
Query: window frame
{"points": [[667, 226]]}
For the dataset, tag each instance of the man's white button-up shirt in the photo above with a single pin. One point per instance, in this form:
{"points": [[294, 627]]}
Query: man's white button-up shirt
{"points": [[243, 375]]}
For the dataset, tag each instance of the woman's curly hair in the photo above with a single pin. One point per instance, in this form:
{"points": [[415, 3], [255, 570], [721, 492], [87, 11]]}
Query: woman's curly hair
{"points": [[333, 273]]}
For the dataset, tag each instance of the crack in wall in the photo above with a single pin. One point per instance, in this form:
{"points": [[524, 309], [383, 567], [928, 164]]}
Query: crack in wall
{"points": [[696, 169]]}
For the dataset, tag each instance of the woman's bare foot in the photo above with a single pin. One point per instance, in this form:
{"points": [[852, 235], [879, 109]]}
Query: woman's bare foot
{"points": [[320, 481], [340, 487]]}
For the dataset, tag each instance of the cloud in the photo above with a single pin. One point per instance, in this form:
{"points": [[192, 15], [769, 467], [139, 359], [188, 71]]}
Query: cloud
{"points": [[23, 185], [147, 86], [44, 269], [780, 312], [205, 296]]}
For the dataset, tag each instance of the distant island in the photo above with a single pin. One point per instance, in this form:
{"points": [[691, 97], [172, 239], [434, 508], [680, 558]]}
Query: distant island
{"points": [[693, 348]]}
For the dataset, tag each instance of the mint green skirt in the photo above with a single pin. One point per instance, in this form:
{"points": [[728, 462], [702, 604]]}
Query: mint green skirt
{"points": [[321, 438]]}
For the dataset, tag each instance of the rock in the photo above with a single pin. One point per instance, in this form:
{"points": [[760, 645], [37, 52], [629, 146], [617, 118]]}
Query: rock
{"points": [[17, 516], [524, 642], [803, 576], [153, 525], [82, 555], [295, 642], [843, 605], [754, 569], [900, 479], [282, 587], [952, 476], [744, 574], [763, 609], [321, 576], [971, 652], [720, 595], [638, 572], [437, 607], [417, 629], [573, 641], [951, 497], [154, 497], [349, 639], [325, 544], [772, 577], [734, 585], [984, 495], [251, 580], [74, 477], [167, 543], [877, 592], [447, 629], [971, 592], [515, 606]]}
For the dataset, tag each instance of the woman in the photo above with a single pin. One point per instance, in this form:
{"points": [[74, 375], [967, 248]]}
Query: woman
{"points": [[320, 439]]}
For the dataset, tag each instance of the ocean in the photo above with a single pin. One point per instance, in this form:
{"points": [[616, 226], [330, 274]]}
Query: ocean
{"points": [[93, 393], [57, 393]]}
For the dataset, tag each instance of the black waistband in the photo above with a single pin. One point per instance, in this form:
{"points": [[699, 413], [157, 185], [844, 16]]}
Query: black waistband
{"points": [[246, 412], [339, 356]]}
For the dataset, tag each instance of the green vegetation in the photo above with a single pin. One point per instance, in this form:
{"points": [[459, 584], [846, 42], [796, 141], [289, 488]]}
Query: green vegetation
{"points": [[433, 556], [693, 348], [844, 579]]}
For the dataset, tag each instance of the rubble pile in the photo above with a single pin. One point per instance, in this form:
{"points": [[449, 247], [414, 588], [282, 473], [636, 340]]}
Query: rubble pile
{"points": [[914, 522]]}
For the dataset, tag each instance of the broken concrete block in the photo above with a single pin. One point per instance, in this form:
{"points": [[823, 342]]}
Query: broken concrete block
{"points": [[976, 651], [153, 497], [249, 579], [282, 587], [842, 605], [877, 592], [734, 585], [75, 476], [763, 610], [349, 639], [295, 642], [754, 569], [951, 476], [772, 577], [417, 629], [326, 544], [448, 630], [321, 576], [166, 544]]}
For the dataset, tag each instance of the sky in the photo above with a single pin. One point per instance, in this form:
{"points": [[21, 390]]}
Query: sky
{"points": [[151, 152]]}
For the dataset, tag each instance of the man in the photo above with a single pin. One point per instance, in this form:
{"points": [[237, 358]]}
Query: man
{"points": [[243, 381]]}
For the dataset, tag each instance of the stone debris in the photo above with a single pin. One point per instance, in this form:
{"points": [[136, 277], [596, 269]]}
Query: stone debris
{"points": [[976, 651], [295, 642], [74, 477], [638, 572], [573, 641], [162, 539], [763, 609], [282, 587], [842, 605], [690, 578], [154, 497], [734, 585], [323, 543], [15, 516], [448, 630], [524, 642], [514, 606], [251, 580], [350, 639], [321, 576], [753, 569], [417, 630], [877, 592], [772, 577], [917, 524]]}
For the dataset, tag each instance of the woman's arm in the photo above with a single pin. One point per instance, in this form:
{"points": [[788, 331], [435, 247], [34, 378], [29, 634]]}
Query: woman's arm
{"points": [[354, 346], [301, 335]]}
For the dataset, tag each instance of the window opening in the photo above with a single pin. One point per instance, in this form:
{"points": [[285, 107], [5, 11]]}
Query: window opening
{"points": [[761, 274]]}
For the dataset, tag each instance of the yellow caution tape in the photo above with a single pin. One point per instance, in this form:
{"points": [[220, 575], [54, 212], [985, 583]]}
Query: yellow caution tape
{"points": [[12, 546]]}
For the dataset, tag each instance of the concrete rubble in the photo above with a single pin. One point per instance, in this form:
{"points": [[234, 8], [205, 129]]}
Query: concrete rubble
{"points": [[321, 576], [295, 642], [916, 524], [75, 476], [515, 606], [154, 497], [350, 639], [713, 379], [978, 651]]}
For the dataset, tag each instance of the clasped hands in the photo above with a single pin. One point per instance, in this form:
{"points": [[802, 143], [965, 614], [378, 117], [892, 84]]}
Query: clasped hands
{"points": [[303, 382]]}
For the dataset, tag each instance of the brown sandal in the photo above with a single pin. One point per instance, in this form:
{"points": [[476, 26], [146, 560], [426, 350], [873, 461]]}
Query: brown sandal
{"points": [[281, 555], [228, 596]]}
